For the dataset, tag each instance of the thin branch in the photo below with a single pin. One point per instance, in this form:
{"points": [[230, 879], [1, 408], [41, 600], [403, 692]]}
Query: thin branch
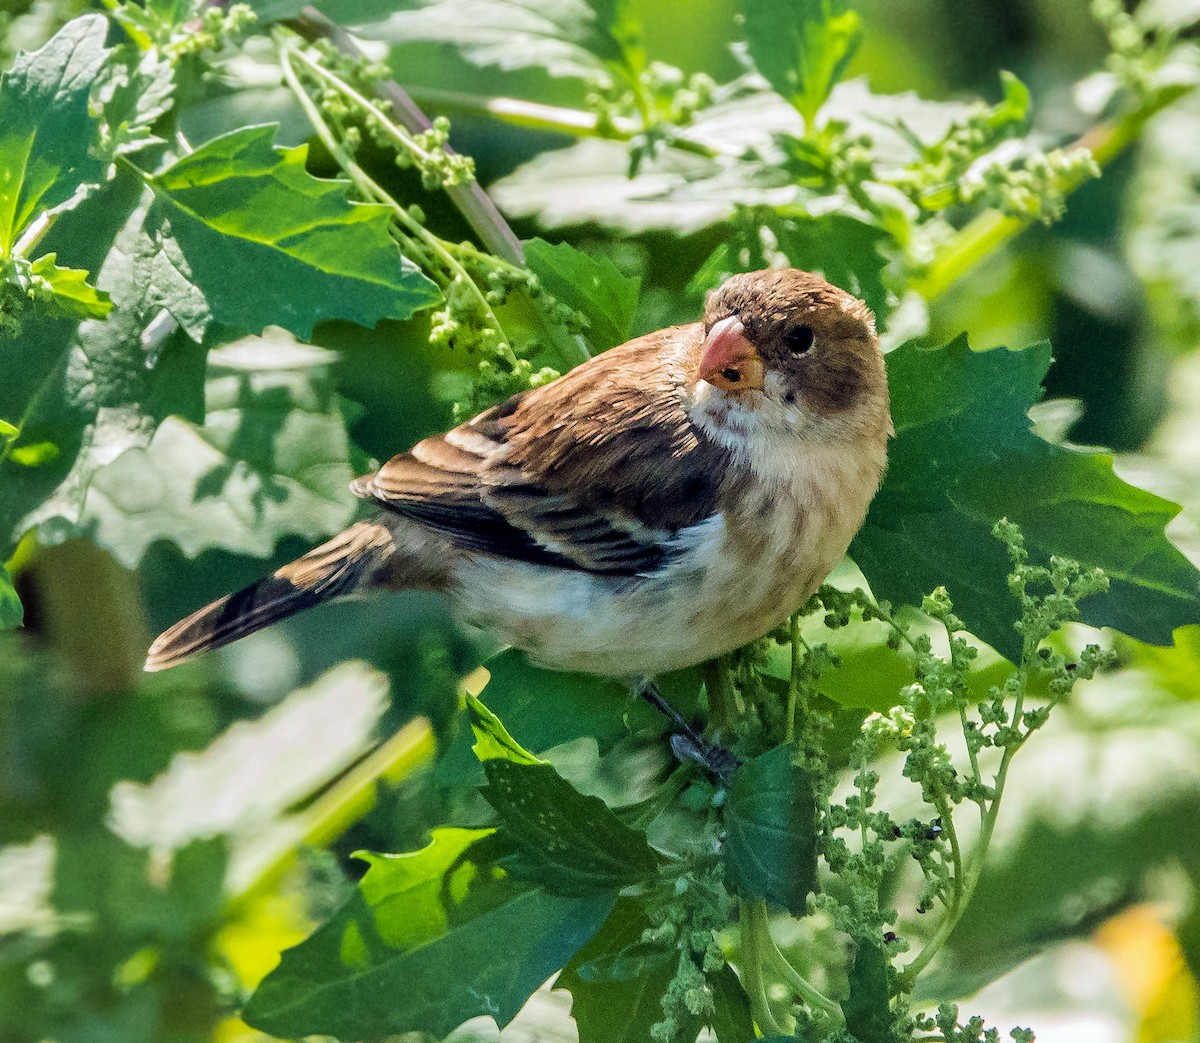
{"points": [[474, 204], [978, 856], [533, 115], [813, 997], [414, 231]]}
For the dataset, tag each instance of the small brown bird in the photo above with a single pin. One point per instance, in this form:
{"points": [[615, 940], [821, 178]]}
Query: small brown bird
{"points": [[661, 504]]}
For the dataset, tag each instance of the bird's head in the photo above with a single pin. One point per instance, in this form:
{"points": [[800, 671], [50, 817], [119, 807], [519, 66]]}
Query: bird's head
{"points": [[783, 349]]}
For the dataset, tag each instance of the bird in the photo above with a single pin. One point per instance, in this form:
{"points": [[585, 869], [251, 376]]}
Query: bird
{"points": [[661, 504]]}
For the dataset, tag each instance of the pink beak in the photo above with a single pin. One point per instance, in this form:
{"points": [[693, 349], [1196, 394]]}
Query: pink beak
{"points": [[730, 362]]}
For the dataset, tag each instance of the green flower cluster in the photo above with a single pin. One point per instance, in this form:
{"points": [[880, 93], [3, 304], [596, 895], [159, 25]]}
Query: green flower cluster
{"points": [[211, 29], [659, 100], [685, 916], [863, 844]]}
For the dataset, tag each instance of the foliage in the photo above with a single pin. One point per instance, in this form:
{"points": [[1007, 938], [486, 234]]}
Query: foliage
{"points": [[173, 271]]}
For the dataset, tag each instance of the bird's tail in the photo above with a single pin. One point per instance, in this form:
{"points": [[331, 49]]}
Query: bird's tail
{"points": [[334, 568]]}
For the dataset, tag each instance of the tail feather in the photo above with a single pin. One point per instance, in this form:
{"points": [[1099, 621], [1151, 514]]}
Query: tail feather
{"points": [[335, 568]]}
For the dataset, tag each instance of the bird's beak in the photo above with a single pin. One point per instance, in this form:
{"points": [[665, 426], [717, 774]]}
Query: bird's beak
{"points": [[730, 362]]}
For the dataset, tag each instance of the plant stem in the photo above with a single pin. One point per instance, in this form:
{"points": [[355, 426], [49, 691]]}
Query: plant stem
{"points": [[760, 932], [752, 975], [34, 233], [793, 694], [474, 204], [974, 868], [570, 350], [415, 233], [553, 119], [416, 238], [717, 683], [971, 754], [398, 134]]}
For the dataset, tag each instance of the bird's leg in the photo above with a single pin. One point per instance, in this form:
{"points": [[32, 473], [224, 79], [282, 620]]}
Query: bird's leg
{"points": [[687, 743]]}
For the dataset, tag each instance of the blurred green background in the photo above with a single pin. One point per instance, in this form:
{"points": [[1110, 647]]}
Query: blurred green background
{"points": [[246, 769]]}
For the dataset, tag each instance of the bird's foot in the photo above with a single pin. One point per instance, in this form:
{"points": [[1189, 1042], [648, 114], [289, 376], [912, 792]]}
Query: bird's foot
{"points": [[688, 744], [716, 760]]}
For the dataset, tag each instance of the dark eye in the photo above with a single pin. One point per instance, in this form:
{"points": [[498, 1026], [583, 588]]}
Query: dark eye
{"points": [[798, 339]]}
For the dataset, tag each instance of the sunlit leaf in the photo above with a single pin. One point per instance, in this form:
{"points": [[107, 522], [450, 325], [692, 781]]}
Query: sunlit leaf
{"points": [[272, 458], [34, 454], [802, 47], [965, 456], [1164, 203], [545, 708], [429, 940], [266, 243], [71, 294], [589, 181], [576, 38], [566, 841], [238, 787], [135, 90], [47, 134], [88, 391], [770, 821]]}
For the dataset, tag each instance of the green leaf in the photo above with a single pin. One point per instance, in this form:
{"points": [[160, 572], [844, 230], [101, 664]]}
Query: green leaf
{"points": [[97, 874], [429, 940], [546, 708], [102, 387], [47, 134], [86, 392], [590, 285], [770, 823], [266, 243], [1164, 217], [271, 459], [802, 47], [135, 89], [845, 250], [575, 38], [867, 1010], [589, 182], [621, 1010], [11, 612], [965, 456], [731, 1020], [71, 294], [566, 841]]}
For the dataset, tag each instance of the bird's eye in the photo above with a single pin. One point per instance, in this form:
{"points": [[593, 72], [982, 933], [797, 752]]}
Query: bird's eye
{"points": [[798, 339]]}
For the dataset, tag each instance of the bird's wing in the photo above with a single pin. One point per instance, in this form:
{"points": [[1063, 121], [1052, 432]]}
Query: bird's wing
{"points": [[594, 471]]}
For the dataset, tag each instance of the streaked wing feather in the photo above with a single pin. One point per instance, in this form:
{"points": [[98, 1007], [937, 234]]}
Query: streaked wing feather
{"points": [[591, 472]]}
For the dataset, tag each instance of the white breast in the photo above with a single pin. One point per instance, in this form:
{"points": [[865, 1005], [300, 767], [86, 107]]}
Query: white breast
{"points": [[733, 577]]}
